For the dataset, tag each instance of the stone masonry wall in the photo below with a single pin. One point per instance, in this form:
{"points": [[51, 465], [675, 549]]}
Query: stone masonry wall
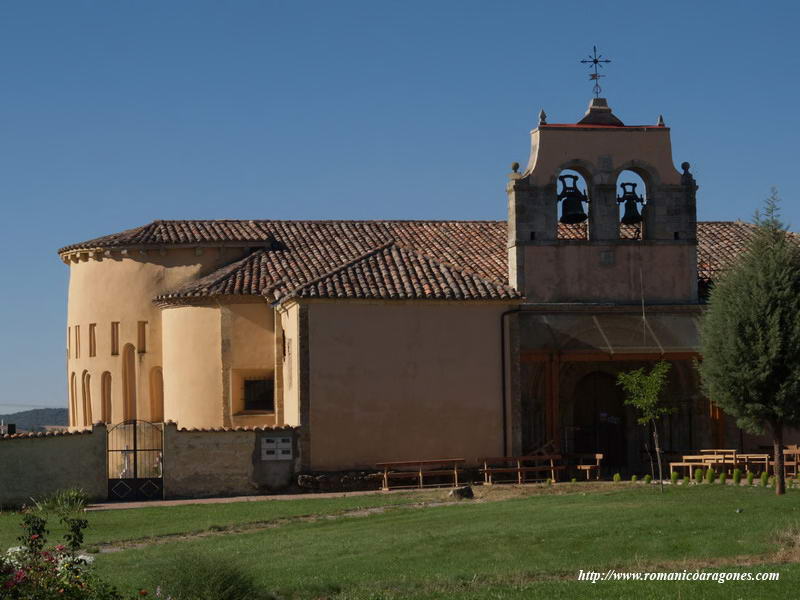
{"points": [[35, 465], [227, 462]]}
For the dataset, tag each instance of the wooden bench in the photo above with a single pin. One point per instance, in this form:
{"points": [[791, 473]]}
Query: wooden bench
{"points": [[418, 470], [520, 466], [588, 467], [693, 461]]}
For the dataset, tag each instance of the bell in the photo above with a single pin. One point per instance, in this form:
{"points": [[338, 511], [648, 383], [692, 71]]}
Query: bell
{"points": [[631, 215], [572, 209]]}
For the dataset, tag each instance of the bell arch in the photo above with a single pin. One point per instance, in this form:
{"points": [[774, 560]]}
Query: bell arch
{"points": [[86, 393], [156, 395], [73, 400], [105, 397], [632, 195], [572, 195], [128, 382]]}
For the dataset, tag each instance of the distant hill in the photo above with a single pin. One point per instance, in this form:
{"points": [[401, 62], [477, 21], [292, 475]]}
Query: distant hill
{"points": [[34, 420]]}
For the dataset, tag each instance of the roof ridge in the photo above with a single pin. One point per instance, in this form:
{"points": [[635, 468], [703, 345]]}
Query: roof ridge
{"points": [[340, 268]]}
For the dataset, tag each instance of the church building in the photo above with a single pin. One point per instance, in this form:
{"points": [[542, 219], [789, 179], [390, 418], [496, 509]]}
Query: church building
{"points": [[405, 340]]}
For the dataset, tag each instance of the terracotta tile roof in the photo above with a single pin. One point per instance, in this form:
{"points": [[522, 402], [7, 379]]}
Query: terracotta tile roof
{"points": [[286, 428], [43, 434], [393, 272], [431, 259], [170, 233], [376, 259], [719, 244]]}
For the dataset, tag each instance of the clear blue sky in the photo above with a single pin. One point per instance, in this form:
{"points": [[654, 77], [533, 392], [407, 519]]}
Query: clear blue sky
{"points": [[115, 113]]}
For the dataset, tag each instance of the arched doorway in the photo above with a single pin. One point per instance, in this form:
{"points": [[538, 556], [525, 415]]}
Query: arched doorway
{"points": [[86, 388], [128, 383], [600, 418], [73, 401]]}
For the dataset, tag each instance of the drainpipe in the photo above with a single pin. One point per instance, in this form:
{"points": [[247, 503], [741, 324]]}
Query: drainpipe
{"points": [[503, 375]]}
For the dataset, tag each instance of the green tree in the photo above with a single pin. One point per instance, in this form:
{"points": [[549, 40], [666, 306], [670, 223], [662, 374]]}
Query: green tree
{"points": [[750, 335], [643, 392]]}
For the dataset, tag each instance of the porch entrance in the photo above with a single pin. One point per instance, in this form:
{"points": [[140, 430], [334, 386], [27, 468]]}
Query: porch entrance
{"points": [[599, 419], [135, 461]]}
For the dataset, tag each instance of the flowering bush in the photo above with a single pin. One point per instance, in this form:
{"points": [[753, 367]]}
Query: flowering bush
{"points": [[32, 571]]}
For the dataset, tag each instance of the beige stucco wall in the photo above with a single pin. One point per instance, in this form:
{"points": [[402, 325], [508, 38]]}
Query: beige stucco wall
{"points": [[193, 366], [208, 351], [618, 148], [38, 466], [290, 397], [251, 331], [403, 381], [120, 287]]}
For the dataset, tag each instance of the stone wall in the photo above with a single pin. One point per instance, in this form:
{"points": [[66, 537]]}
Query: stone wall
{"points": [[35, 465], [227, 462]]}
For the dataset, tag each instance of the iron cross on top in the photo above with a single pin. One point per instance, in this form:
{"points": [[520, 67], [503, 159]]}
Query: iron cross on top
{"points": [[594, 61]]}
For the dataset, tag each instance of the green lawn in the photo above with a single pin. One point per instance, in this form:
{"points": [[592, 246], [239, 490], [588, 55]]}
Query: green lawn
{"points": [[130, 524], [524, 547]]}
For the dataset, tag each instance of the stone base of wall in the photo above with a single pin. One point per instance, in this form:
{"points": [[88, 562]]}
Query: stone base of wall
{"points": [[228, 462]]}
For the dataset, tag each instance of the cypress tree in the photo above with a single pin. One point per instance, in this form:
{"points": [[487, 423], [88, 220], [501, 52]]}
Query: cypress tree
{"points": [[750, 335]]}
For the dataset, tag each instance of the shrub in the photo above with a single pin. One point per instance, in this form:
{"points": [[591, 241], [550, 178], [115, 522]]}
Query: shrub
{"points": [[723, 477], [685, 480], [764, 478], [674, 477], [573, 480], [737, 476], [70, 500], [617, 477], [204, 577], [771, 481], [750, 478], [634, 479], [33, 571], [648, 478], [698, 475], [711, 475]]}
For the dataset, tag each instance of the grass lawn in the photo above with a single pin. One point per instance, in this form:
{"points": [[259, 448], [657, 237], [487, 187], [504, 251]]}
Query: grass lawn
{"points": [[521, 547], [130, 524]]}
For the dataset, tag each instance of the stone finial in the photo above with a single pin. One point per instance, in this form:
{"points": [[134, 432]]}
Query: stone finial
{"points": [[542, 117], [660, 121], [687, 179]]}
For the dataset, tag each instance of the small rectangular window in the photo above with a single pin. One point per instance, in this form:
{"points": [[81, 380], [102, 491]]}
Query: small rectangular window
{"points": [[258, 395], [114, 338], [141, 337], [92, 339], [77, 341]]}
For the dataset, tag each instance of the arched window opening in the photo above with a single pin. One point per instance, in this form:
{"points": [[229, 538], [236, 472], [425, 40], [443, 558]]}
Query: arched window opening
{"points": [[573, 197], [86, 389], [73, 401], [128, 383], [156, 395], [105, 393], [632, 197]]}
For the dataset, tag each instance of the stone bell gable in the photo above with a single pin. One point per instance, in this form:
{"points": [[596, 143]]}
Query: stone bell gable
{"points": [[654, 260]]}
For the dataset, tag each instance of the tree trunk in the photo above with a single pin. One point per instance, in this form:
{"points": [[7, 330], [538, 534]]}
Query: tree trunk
{"points": [[650, 457], [777, 443], [658, 457]]}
